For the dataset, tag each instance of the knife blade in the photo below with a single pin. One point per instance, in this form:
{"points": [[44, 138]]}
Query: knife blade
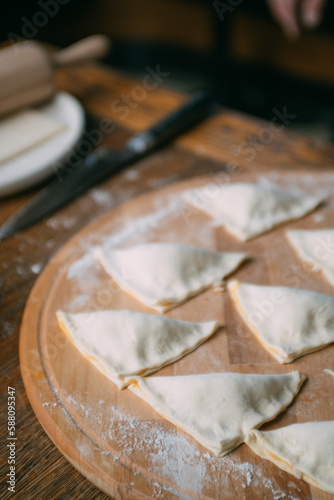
{"points": [[103, 163]]}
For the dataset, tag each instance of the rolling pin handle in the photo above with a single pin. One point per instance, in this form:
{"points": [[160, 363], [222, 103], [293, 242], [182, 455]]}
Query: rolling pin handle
{"points": [[92, 47]]}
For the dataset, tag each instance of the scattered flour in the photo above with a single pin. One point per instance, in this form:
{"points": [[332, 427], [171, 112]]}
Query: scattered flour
{"points": [[36, 267], [50, 244], [101, 196], [132, 175], [135, 227], [175, 458], [80, 266], [171, 454], [80, 301], [21, 270], [318, 217], [61, 222], [162, 181], [6, 328], [130, 229], [279, 496]]}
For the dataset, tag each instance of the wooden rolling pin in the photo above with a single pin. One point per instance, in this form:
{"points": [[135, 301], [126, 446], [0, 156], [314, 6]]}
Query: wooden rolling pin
{"points": [[27, 70]]}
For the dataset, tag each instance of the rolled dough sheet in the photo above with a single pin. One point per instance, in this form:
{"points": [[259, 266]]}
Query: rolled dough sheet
{"points": [[24, 131]]}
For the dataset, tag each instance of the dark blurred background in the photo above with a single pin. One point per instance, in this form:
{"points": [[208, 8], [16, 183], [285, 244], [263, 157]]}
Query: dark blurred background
{"points": [[240, 52]]}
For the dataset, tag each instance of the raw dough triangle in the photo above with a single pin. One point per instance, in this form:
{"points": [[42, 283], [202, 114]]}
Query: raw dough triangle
{"points": [[288, 322], [219, 409], [163, 275], [316, 248], [125, 343], [305, 450], [247, 210]]}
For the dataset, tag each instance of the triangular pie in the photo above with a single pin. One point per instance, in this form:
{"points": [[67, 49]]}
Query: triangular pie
{"points": [[163, 275], [125, 343], [287, 321], [219, 409], [305, 450], [316, 248], [247, 210]]}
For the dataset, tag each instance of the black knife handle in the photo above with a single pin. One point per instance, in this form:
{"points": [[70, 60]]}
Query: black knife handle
{"points": [[175, 123]]}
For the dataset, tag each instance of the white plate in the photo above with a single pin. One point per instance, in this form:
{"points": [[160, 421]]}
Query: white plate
{"points": [[38, 163]]}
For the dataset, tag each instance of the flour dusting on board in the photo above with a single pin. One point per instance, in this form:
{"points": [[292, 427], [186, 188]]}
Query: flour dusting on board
{"points": [[131, 228], [81, 266], [134, 228], [175, 457]]}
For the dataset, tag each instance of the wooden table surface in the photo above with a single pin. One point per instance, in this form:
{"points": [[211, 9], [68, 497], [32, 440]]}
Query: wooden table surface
{"points": [[228, 141]]}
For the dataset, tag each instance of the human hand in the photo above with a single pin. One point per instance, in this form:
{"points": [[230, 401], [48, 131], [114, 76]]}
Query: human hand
{"points": [[290, 14]]}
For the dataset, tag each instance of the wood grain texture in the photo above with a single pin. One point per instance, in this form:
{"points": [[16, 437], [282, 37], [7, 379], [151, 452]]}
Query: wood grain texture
{"points": [[104, 431], [42, 471]]}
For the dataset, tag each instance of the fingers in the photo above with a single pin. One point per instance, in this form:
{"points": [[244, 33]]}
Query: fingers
{"points": [[311, 12], [285, 13]]}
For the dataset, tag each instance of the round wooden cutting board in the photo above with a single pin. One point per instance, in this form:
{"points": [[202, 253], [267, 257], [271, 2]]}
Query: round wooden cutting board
{"points": [[114, 438]]}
